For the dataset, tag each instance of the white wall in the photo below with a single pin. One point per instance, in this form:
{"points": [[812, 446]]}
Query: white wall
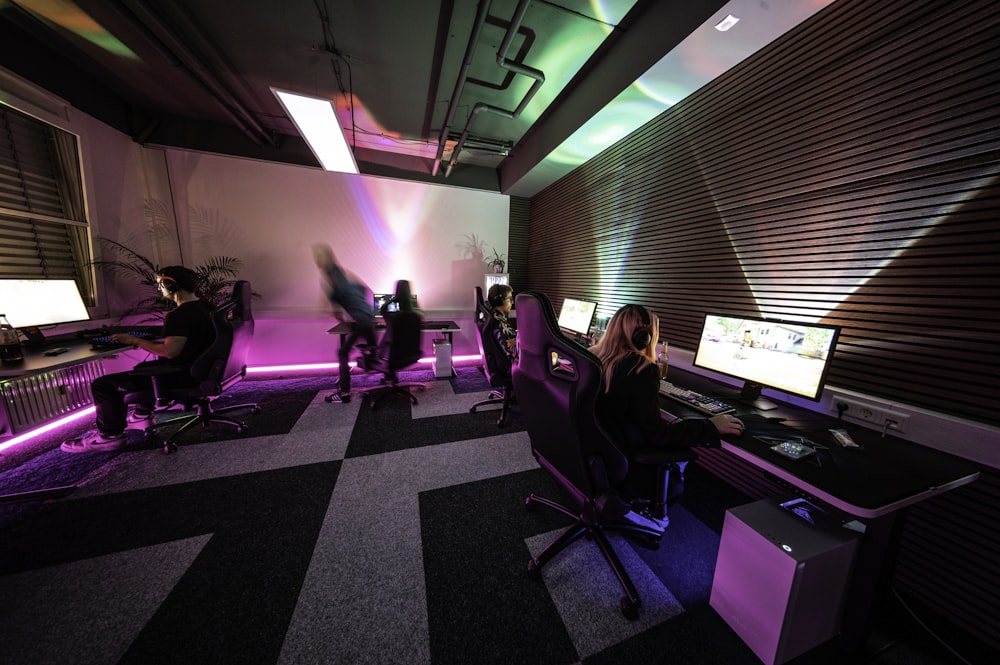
{"points": [[269, 215], [176, 206]]}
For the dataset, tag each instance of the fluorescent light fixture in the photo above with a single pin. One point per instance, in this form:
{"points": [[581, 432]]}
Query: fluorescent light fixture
{"points": [[317, 122], [727, 23]]}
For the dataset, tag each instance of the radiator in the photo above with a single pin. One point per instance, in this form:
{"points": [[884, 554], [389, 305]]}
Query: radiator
{"points": [[34, 399]]}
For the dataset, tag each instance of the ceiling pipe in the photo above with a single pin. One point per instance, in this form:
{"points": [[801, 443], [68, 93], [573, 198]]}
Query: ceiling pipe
{"points": [[481, 14], [504, 63], [172, 44]]}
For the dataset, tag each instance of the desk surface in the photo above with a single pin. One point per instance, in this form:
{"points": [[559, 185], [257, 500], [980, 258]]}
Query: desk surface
{"points": [[886, 474], [344, 327], [35, 360]]}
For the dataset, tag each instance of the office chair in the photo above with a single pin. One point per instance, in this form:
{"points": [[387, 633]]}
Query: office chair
{"points": [[496, 365], [219, 367], [398, 349], [557, 383]]}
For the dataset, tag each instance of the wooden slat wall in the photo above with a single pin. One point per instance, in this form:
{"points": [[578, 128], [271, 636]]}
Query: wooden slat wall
{"points": [[517, 242], [848, 173]]}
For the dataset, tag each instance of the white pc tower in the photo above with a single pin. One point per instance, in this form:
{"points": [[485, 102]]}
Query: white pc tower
{"points": [[781, 575]]}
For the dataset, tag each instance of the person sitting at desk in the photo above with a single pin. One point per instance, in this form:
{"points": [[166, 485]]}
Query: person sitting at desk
{"points": [[348, 295], [629, 406], [501, 300], [187, 332]]}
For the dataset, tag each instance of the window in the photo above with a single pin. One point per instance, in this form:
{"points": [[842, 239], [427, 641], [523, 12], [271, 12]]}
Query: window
{"points": [[43, 219]]}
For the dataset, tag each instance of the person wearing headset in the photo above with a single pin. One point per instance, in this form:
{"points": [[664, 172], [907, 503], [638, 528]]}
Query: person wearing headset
{"points": [[187, 332], [501, 300], [629, 405]]}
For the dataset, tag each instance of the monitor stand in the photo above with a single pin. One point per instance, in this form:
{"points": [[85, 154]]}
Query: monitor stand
{"points": [[750, 394], [33, 336]]}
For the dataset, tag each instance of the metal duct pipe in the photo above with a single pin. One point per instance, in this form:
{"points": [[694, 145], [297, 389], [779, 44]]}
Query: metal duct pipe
{"points": [[504, 63], [173, 44], [481, 14]]}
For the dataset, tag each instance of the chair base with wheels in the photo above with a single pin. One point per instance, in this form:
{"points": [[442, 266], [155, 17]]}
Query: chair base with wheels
{"points": [[501, 396], [199, 413], [644, 531], [374, 396]]}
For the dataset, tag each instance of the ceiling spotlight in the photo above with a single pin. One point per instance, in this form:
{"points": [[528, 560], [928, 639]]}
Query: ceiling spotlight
{"points": [[317, 122], [727, 23]]}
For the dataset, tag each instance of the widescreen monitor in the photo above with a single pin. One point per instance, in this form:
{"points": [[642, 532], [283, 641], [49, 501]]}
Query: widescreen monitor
{"points": [[378, 299], [576, 316], [30, 303], [766, 353]]}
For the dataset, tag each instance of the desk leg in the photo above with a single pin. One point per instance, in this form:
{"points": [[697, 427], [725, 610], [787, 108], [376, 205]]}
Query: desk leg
{"points": [[869, 588]]}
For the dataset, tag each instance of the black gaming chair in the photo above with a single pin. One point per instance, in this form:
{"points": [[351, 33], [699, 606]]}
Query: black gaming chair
{"points": [[398, 349], [496, 364], [557, 383], [220, 366]]}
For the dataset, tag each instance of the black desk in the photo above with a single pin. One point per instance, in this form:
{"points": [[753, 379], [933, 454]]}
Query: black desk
{"points": [[874, 484], [449, 328], [36, 362]]}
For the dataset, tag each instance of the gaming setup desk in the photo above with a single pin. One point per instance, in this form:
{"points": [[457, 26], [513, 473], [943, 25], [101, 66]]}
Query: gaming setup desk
{"points": [[797, 570]]}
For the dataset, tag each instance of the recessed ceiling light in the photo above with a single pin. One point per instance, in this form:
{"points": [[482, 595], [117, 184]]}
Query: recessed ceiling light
{"points": [[317, 122], [727, 23]]}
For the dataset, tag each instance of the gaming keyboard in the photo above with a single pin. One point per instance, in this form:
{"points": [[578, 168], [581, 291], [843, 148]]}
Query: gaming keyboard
{"points": [[702, 403], [106, 342]]}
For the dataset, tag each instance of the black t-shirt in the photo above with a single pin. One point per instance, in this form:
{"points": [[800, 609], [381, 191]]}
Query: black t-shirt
{"points": [[192, 320]]}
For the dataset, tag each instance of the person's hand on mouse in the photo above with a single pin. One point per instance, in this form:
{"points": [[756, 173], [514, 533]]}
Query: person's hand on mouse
{"points": [[727, 424]]}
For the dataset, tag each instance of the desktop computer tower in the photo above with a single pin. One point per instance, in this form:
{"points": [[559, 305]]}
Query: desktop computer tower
{"points": [[781, 575], [442, 359]]}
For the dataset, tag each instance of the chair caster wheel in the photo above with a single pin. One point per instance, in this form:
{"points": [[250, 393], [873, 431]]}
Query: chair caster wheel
{"points": [[169, 447], [529, 504], [534, 569], [630, 610], [241, 429], [255, 409]]}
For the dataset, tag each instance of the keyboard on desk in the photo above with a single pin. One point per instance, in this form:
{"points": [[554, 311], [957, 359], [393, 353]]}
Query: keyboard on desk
{"points": [[106, 342], [702, 403]]}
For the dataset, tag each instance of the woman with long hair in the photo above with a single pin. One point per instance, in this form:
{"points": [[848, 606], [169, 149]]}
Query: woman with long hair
{"points": [[629, 406]]}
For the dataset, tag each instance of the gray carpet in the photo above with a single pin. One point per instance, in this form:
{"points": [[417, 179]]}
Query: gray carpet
{"points": [[332, 533]]}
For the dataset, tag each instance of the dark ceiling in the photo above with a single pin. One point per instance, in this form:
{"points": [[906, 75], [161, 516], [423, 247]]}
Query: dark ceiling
{"points": [[524, 75]]}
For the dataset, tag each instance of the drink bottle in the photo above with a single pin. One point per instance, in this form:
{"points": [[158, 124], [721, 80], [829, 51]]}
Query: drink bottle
{"points": [[10, 344]]}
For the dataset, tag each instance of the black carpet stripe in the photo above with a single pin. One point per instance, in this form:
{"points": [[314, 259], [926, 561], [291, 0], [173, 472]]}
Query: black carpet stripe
{"points": [[482, 606], [234, 604], [391, 427]]}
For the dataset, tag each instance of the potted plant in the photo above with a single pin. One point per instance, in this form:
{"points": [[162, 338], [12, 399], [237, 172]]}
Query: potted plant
{"points": [[215, 279], [497, 261]]}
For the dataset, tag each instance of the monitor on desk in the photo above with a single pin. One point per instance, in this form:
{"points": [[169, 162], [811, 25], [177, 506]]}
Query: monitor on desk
{"points": [[31, 303], [577, 316], [379, 299], [785, 355]]}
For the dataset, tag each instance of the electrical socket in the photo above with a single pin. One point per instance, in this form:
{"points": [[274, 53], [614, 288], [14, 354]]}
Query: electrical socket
{"points": [[875, 415]]}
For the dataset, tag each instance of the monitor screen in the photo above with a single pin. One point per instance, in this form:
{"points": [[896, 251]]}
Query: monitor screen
{"points": [[378, 299], [784, 355], [577, 315], [41, 302]]}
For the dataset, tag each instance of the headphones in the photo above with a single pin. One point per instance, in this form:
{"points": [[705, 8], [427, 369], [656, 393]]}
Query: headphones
{"points": [[498, 298], [643, 335], [168, 283]]}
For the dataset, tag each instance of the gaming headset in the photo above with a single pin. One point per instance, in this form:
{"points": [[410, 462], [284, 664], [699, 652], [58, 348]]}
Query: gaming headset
{"points": [[498, 298], [169, 283], [643, 335]]}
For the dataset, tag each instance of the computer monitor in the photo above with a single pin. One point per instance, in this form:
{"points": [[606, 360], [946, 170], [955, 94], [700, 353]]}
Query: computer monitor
{"points": [[577, 315], [785, 355], [30, 303], [378, 299]]}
